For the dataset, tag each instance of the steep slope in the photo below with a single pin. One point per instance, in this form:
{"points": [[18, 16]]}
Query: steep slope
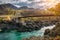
{"points": [[6, 8]]}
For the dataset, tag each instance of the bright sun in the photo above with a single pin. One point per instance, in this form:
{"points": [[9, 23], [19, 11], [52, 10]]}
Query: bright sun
{"points": [[49, 3]]}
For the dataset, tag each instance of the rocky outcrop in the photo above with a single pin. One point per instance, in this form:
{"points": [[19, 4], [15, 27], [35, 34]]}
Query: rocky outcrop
{"points": [[54, 32], [21, 27]]}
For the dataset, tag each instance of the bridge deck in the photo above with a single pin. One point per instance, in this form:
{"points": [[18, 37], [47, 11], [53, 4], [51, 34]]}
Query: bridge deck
{"points": [[27, 16]]}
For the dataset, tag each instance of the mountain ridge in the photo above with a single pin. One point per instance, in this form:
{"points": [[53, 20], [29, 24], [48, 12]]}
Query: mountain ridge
{"points": [[13, 7]]}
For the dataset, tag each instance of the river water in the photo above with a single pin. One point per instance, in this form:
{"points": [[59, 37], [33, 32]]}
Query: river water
{"points": [[19, 36]]}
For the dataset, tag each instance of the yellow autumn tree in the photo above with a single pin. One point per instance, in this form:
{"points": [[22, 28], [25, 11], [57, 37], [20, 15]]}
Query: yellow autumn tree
{"points": [[56, 9]]}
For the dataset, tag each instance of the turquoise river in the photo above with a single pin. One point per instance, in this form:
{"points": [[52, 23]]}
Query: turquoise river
{"points": [[19, 36]]}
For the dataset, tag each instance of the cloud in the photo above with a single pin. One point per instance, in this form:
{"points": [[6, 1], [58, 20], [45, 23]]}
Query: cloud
{"points": [[32, 3]]}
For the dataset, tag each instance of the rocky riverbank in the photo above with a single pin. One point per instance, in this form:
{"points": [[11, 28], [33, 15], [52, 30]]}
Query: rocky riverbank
{"points": [[27, 26], [53, 34], [34, 38]]}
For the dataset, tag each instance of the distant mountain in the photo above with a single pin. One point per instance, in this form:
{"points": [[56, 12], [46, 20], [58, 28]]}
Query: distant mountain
{"points": [[29, 12], [5, 7], [25, 7], [2, 6]]}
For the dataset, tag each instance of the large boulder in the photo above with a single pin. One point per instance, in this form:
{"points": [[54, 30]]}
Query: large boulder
{"points": [[54, 32]]}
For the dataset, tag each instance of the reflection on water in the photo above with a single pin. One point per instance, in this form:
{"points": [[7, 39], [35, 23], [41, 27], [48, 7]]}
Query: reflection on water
{"points": [[19, 36]]}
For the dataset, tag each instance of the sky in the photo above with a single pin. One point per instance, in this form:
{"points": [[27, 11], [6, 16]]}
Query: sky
{"points": [[40, 4]]}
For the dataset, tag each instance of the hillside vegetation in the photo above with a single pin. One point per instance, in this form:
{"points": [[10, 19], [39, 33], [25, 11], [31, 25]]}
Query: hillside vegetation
{"points": [[56, 9]]}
